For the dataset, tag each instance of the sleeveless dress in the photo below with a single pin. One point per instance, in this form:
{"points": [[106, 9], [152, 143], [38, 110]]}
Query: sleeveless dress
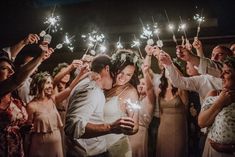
{"points": [[46, 138], [172, 133], [118, 144], [11, 119], [139, 141]]}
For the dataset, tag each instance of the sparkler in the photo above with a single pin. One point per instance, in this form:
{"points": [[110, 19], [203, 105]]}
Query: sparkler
{"points": [[136, 43], [94, 39], [147, 33], [119, 44], [67, 41], [199, 19], [157, 32], [53, 24], [182, 27], [132, 106], [171, 28]]}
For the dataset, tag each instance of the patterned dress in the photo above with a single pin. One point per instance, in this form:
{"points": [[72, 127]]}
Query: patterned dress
{"points": [[222, 130], [11, 120]]}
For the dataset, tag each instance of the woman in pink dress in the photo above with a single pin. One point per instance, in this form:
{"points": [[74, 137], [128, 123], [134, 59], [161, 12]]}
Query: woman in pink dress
{"points": [[46, 136]]}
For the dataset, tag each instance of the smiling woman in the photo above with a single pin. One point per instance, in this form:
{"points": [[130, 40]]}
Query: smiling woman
{"points": [[46, 136], [218, 114]]}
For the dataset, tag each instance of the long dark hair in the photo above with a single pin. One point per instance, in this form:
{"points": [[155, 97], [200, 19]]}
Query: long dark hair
{"points": [[118, 64], [164, 81], [164, 84]]}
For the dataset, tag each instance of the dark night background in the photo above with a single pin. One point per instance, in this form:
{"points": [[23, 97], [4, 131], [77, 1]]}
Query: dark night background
{"points": [[114, 18]]}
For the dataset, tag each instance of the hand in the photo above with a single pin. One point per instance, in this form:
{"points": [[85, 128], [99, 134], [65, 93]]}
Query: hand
{"points": [[165, 58], [26, 128], [226, 97], [145, 68], [188, 45], [31, 39], [149, 50], [197, 44], [183, 53], [76, 63], [156, 51], [123, 125], [46, 52]]}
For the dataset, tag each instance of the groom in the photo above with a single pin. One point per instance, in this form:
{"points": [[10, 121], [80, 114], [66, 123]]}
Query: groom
{"points": [[84, 125]]}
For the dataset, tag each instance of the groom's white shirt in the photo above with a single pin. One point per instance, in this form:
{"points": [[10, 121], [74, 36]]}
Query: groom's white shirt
{"points": [[85, 104]]}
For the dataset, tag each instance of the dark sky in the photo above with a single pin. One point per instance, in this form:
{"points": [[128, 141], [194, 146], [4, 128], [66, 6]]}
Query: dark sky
{"points": [[112, 17]]}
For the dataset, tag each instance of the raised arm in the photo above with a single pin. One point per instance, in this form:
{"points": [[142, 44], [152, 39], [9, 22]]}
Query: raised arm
{"points": [[62, 73], [184, 83], [149, 87], [30, 39], [197, 44], [59, 97], [19, 76], [205, 65]]}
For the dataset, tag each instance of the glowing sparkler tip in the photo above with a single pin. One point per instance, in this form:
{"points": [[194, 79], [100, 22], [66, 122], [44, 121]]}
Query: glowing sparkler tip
{"points": [[102, 48], [199, 18], [171, 27]]}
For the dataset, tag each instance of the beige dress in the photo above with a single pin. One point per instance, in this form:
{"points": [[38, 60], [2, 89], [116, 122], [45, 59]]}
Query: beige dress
{"points": [[172, 132], [46, 138], [139, 141]]}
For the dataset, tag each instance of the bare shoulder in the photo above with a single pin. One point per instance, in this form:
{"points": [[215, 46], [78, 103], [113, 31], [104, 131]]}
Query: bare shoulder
{"points": [[32, 105], [130, 92]]}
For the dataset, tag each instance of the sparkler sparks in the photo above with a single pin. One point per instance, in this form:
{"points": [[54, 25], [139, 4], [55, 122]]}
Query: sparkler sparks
{"points": [[182, 27], [119, 44], [67, 41], [132, 107], [93, 40], [199, 19], [136, 43], [171, 28]]}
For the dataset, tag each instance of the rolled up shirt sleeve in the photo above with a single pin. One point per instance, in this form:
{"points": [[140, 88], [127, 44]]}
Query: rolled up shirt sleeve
{"points": [[185, 83], [81, 107]]}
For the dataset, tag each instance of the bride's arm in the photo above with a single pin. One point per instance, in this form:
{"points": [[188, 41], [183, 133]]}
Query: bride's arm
{"points": [[132, 95]]}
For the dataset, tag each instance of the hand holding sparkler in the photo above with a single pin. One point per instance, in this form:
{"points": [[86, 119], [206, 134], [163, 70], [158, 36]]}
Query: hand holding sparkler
{"points": [[197, 44], [31, 39], [165, 59], [123, 125], [46, 51], [183, 53]]}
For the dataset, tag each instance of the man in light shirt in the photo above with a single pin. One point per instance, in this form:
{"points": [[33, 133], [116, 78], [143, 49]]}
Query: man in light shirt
{"points": [[84, 124]]}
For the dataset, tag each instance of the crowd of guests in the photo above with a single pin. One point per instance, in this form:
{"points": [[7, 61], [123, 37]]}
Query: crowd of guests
{"points": [[116, 106]]}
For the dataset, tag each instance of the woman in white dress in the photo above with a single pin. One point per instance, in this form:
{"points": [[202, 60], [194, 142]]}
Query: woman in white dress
{"points": [[125, 69]]}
